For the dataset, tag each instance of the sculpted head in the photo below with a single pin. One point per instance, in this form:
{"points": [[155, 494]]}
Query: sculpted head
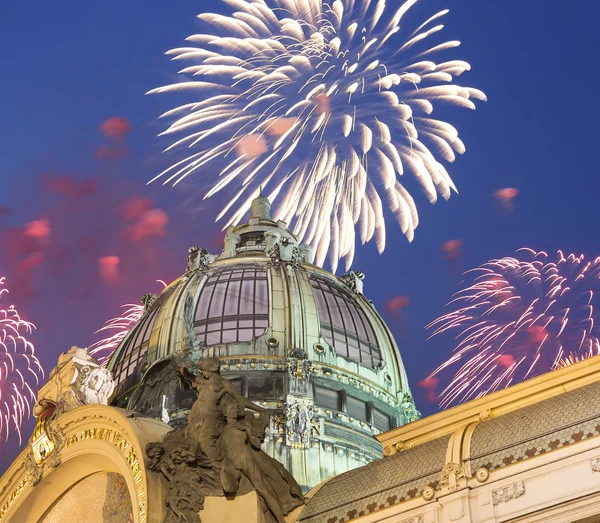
{"points": [[232, 410], [209, 367]]}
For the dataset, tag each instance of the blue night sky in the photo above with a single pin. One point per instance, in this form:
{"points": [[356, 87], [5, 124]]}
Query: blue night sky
{"points": [[68, 66]]}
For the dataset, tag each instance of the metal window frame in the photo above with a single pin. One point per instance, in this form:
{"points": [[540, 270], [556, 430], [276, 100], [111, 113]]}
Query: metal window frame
{"points": [[224, 277], [385, 414], [340, 396], [367, 348], [143, 337]]}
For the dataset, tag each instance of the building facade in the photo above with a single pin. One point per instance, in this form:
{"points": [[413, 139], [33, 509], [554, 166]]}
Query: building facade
{"points": [[308, 347], [292, 337], [527, 454]]}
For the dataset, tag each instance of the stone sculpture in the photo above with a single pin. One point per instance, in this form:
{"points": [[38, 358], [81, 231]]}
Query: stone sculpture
{"points": [[198, 258], [78, 379], [408, 409], [219, 454], [148, 300]]}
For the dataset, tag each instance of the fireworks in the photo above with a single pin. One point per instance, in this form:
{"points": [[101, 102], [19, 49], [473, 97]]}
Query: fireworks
{"points": [[118, 328], [323, 106], [19, 368], [520, 317]]}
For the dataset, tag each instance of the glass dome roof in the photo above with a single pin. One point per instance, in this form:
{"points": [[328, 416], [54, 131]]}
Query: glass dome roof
{"points": [[287, 333]]}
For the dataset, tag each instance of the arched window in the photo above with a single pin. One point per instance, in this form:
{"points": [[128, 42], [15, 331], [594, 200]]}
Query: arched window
{"points": [[344, 325], [233, 305]]}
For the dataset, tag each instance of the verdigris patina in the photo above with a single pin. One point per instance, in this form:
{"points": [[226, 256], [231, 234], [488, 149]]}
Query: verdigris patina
{"points": [[219, 454]]}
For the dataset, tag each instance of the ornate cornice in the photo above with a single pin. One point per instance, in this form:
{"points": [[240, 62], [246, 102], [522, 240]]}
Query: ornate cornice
{"points": [[501, 402], [95, 430]]}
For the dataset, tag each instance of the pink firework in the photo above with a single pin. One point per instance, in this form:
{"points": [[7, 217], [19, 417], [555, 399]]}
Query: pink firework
{"points": [[518, 318], [20, 370], [118, 328]]}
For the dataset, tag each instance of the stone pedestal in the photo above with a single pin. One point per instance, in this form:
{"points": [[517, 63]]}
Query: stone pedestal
{"points": [[241, 509]]}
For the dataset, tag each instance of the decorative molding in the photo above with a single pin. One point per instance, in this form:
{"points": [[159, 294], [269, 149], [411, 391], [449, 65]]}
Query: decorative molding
{"points": [[298, 423], [77, 380], [428, 493], [504, 495], [92, 384], [354, 281], [497, 403], [199, 259], [299, 368], [147, 300], [282, 250], [450, 475], [415, 519], [191, 344], [408, 409], [482, 475], [16, 492], [400, 446], [104, 427], [595, 464]]}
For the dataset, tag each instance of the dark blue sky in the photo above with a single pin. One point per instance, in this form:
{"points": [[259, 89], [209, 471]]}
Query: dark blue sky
{"points": [[68, 66]]}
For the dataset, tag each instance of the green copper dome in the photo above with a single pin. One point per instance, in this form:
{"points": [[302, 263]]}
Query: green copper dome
{"points": [[291, 337]]}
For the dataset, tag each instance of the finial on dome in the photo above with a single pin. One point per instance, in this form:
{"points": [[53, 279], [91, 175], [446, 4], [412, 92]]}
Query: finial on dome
{"points": [[261, 207]]}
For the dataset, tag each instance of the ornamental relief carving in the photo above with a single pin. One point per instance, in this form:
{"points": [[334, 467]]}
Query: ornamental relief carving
{"points": [[298, 422], [408, 409], [76, 380], [198, 259], [93, 385], [34, 464], [504, 495], [415, 519], [450, 475], [595, 464]]}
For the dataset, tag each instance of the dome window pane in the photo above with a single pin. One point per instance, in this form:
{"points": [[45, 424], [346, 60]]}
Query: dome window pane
{"points": [[238, 305], [327, 398], [381, 420], [135, 347], [247, 304], [356, 408], [262, 300], [265, 385], [218, 297], [229, 336], [344, 324], [233, 298]]}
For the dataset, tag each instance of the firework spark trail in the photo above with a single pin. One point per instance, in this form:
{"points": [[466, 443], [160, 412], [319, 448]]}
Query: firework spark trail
{"points": [[118, 327], [339, 105], [20, 370], [518, 318], [571, 359]]}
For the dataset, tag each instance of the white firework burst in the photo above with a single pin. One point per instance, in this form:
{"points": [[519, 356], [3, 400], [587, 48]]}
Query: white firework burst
{"points": [[324, 106]]}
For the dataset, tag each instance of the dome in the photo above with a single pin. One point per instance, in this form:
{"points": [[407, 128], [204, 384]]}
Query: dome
{"points": [[291, 336]]}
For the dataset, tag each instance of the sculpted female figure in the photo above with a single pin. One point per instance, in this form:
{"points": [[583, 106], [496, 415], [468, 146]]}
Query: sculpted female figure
{"points": [[238, 439], [206, 422]]}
